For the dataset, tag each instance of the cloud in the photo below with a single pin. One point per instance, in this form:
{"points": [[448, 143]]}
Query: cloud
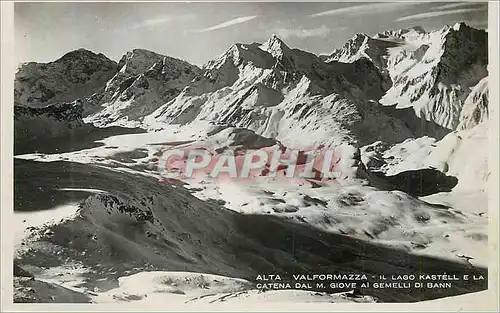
{"points": [[322, 31], [366, 9], [458, 5], [435, 14], [229, 23], [151, 22], [157, 21]]}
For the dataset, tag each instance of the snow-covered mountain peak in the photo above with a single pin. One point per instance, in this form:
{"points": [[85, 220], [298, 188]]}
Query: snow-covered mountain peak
{"points": [[231, 57], [137, 61], [81, 54], [359, 37], [145, 81], [433, 72], [263, 56], [276, 47], [351, 46], [402, 33], [459, 25], [362, 46], [274, 53]]}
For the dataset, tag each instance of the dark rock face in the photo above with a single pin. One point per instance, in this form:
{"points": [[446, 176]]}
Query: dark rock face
{"points": [[465, 57], [57, 128], [75, 75], [419, 183], [31, 124], [68, 112]]}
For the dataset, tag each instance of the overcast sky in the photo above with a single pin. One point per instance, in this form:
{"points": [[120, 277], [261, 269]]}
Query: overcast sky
{"points": [[198, 32]]}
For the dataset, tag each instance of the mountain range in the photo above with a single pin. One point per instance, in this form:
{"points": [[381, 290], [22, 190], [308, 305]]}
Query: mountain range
{"points": [[389, 87], [431, 72]]}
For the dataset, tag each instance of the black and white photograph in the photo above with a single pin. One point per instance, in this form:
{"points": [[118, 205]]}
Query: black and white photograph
{"points": [[199, 154]]}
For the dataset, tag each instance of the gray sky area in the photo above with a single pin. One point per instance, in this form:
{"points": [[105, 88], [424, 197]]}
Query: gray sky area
{"points": [[198, 32]]}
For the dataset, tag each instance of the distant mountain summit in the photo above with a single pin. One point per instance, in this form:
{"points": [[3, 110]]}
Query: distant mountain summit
{"points": [[401, 33], [432, 72], [77, 74], [363, 46], [145, 81]]}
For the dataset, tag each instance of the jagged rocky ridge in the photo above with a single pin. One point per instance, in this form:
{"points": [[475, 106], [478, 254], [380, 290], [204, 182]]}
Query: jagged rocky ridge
{"points": [[432, 72], [145, 81]]}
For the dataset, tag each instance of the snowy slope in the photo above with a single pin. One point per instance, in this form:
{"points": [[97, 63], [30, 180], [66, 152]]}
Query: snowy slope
{"points": [[141, 224], [475, 109], [347, 206]]}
